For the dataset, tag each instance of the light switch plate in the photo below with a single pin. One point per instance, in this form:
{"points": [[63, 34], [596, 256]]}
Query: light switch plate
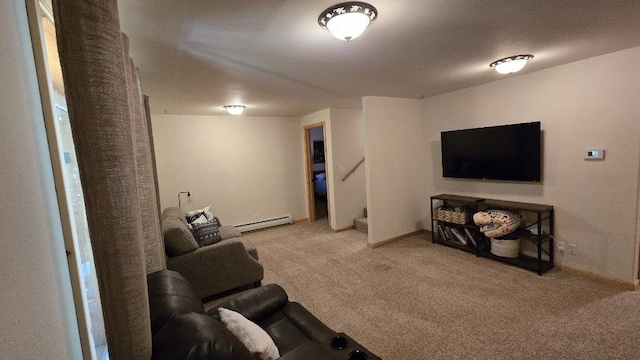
{"points": [[594, 154]]}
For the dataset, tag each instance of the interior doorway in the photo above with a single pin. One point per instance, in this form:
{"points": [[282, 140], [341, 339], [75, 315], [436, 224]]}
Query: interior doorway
{"points": [[316, 172]]}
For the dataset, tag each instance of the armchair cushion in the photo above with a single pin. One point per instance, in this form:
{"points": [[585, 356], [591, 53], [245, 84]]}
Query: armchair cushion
{"points": [[173, 212], [178, 239]]}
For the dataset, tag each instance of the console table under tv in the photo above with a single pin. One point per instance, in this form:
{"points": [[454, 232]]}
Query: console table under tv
{"points": [[537, 228]]}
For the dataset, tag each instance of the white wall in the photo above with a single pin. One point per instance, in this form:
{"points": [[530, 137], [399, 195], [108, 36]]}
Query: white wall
{"points": [[245, 167], [38, 316], [592, 103], [347, 139], [394, 163]]}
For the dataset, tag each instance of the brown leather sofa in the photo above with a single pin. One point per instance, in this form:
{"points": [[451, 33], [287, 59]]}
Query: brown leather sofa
{"points": [[182, 330]]}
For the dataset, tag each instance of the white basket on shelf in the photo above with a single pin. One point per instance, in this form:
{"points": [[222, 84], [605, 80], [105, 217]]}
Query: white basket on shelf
{"points": [[505, 248]]}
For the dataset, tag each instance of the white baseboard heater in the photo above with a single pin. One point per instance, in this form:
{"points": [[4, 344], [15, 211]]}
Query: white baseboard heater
{"points": [[261, 224]]}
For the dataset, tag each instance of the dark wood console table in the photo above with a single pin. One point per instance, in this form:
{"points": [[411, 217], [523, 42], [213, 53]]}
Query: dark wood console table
{"points": [[538, 229]]}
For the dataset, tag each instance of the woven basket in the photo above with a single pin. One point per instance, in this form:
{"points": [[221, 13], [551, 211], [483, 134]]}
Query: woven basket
{"points": [[451, 216]]}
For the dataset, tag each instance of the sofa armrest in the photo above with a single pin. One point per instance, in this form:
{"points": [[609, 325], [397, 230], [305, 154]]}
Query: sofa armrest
{"points": [[310, 325], [217, 268], [255, 304]]}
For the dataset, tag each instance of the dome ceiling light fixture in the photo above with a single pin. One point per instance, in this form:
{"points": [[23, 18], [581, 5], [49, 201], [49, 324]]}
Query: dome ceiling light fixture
{"points": [[234, 109], [346, 21], [511, 64]]}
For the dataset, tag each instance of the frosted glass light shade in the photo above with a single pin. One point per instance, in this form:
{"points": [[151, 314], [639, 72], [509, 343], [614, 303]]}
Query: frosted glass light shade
{"points": [[511, 64], [348, 26], [347, 21], [234, 109]]}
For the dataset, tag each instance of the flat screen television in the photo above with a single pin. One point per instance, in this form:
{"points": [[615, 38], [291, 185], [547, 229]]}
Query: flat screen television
{"points": [[507, 152]]}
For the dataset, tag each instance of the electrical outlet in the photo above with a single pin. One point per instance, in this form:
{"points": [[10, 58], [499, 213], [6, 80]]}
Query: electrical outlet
{"points": [[561, 245], [573, 249], [255, 216]]}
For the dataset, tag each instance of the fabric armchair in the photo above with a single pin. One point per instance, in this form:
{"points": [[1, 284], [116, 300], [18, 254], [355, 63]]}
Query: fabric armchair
{"points": [[227, 265]]}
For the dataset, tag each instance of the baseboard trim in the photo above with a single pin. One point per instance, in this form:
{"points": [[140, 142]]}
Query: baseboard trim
{"points": [[299, 221], [343, 229], [611, 281], [392, 240]]}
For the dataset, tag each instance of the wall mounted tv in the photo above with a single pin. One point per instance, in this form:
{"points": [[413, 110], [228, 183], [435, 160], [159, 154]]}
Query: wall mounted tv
{"points": [[507, 152]]}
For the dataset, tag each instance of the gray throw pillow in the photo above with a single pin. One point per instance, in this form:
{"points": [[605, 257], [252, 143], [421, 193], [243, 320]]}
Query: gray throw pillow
{"points": [[206, 234]]}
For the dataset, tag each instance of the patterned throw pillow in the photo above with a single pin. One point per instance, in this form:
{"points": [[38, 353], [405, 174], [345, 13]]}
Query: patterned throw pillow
{"points": [[191, 216], [206, 234]]}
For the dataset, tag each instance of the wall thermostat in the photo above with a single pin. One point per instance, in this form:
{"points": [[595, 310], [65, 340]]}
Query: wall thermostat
{"points": [[594, 154]]}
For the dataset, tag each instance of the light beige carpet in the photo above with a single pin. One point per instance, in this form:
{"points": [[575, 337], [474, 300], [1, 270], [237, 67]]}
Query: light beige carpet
{"points": [[416, 300]]}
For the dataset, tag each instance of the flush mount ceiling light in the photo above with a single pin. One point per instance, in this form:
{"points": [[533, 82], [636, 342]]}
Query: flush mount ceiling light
{"points": [[511, 64], [347, 21], [234, 109]]}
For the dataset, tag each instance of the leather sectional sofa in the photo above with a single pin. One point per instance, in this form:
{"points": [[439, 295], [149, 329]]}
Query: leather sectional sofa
{"points": [[182, 330]]}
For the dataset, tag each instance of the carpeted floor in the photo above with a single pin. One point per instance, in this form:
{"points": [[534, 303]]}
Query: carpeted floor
{"points": [[416, 300]]}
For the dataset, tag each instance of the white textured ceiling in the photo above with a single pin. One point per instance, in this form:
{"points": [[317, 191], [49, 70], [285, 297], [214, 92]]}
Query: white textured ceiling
{"points": [[271, 55]]}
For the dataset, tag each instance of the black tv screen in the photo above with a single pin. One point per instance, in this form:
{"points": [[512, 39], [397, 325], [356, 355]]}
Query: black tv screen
{"points": [[508, 152]]}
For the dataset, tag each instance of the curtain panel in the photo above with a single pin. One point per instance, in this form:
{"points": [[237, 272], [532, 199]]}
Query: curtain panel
{"points": [[153, 242], [111, 133]]}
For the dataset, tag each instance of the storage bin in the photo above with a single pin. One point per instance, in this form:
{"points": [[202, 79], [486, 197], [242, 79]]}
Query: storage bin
{"points": [[451, 216], [505, 248]]}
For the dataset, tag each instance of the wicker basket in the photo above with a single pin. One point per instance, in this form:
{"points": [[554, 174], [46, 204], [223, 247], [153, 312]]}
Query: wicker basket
{"points": [[451, 216]]}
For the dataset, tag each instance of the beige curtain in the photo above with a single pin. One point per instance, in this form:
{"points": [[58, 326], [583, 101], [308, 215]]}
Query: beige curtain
{"points": [[153, 164], [145, 170], [112, 139]]}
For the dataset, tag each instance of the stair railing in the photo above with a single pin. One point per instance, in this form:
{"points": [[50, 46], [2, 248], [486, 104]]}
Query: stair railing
{"points": [[353, 170]]}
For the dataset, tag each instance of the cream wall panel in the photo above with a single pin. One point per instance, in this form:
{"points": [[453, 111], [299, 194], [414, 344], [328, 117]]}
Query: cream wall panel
{"points": [[589, 103], [347, 136], [394, 166], [245, 167], [38, 315]]}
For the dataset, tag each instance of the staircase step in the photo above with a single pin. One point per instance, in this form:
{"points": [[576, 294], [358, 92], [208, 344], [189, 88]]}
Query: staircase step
{"points": [[361, 225]]}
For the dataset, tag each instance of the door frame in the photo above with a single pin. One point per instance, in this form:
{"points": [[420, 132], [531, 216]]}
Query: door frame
{"points": [[308, 161], [36, 10]]}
